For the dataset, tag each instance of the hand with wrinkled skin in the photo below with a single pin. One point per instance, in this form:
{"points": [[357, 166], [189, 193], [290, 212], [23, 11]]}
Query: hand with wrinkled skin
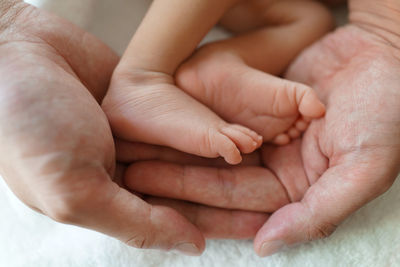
{"points": [[344, 160], [350, 156], [42, 158], [57, 151]]}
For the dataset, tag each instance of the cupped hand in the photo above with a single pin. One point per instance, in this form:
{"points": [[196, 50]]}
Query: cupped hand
{"points": [[350, 156], [57, 150], [344, 160]]}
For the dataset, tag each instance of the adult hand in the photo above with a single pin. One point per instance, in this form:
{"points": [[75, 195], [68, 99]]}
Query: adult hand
{"points": [[57, 150], [353, 154], [343, 161]]}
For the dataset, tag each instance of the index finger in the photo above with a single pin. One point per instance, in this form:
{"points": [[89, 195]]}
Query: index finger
{"points": [[241, 187]]}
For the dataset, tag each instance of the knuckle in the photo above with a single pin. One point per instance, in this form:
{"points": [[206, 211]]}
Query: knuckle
{"points": [[62, 211], [321, 230], [137, 241], [71, 202], [226, 184], [144, 236]]}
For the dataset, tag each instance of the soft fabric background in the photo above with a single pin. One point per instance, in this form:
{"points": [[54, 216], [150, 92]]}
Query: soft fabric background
{"points": [[371, 237]]}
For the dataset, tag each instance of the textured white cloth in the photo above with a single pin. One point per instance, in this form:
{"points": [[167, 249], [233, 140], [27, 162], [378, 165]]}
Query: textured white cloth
{"points": [[371, 237]]}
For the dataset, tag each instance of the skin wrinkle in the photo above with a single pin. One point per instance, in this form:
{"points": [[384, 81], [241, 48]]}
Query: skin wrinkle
{"points": [[58, 52], [227, 187], [183, 180], [316, 231], [66, 67], [377, 18], [231, 225], [286, 191], [9, 12], [319, 147], [367, 26]]}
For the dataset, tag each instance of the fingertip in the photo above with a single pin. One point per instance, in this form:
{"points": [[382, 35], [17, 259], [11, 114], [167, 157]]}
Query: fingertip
{"points": [[188, 249], [269, 248], [281, 230], [141, 225], [169, 226]]}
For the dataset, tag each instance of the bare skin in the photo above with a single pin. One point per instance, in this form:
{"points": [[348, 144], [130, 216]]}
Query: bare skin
{"points": [[288, 162], [230, 76], [348, 158], [345, 160], [145, 104], [57, 150]]}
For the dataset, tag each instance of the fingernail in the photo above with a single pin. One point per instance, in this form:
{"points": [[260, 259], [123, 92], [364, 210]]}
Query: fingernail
{"points": [[188, 249], [271, 247]]}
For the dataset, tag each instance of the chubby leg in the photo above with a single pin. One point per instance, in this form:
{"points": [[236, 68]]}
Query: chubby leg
{"points": [[143, 104], [231, 77]]}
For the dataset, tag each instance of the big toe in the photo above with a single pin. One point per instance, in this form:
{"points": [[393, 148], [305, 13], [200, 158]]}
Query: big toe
{"points": [[310, 105]]}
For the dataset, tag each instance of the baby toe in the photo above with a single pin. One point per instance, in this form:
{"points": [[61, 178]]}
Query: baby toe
{"points": [[294, 133], [227, 148], [301, 125], [255, 136], [281, 139], [246, 140], [310, 105]]}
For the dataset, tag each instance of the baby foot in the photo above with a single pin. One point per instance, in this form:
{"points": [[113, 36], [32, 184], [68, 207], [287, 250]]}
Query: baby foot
{"points": [[148, 107], [277, 109]]}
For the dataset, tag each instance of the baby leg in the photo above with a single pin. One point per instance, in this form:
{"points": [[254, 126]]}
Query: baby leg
{"points": [[230, 76], [143, 104]]}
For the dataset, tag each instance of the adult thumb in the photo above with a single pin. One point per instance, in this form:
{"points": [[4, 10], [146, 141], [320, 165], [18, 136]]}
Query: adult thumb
{"points": [[116, 212], [339, 192]]}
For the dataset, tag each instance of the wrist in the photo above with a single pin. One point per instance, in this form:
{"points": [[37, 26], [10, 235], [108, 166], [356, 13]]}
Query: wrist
{"points": [[380, 17]]}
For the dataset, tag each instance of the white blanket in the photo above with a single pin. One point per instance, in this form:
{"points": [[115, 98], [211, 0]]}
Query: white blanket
{"points": [[371, 237]]}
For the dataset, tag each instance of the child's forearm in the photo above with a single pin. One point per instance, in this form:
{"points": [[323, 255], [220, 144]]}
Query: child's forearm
{"points": [[171, 31]]}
